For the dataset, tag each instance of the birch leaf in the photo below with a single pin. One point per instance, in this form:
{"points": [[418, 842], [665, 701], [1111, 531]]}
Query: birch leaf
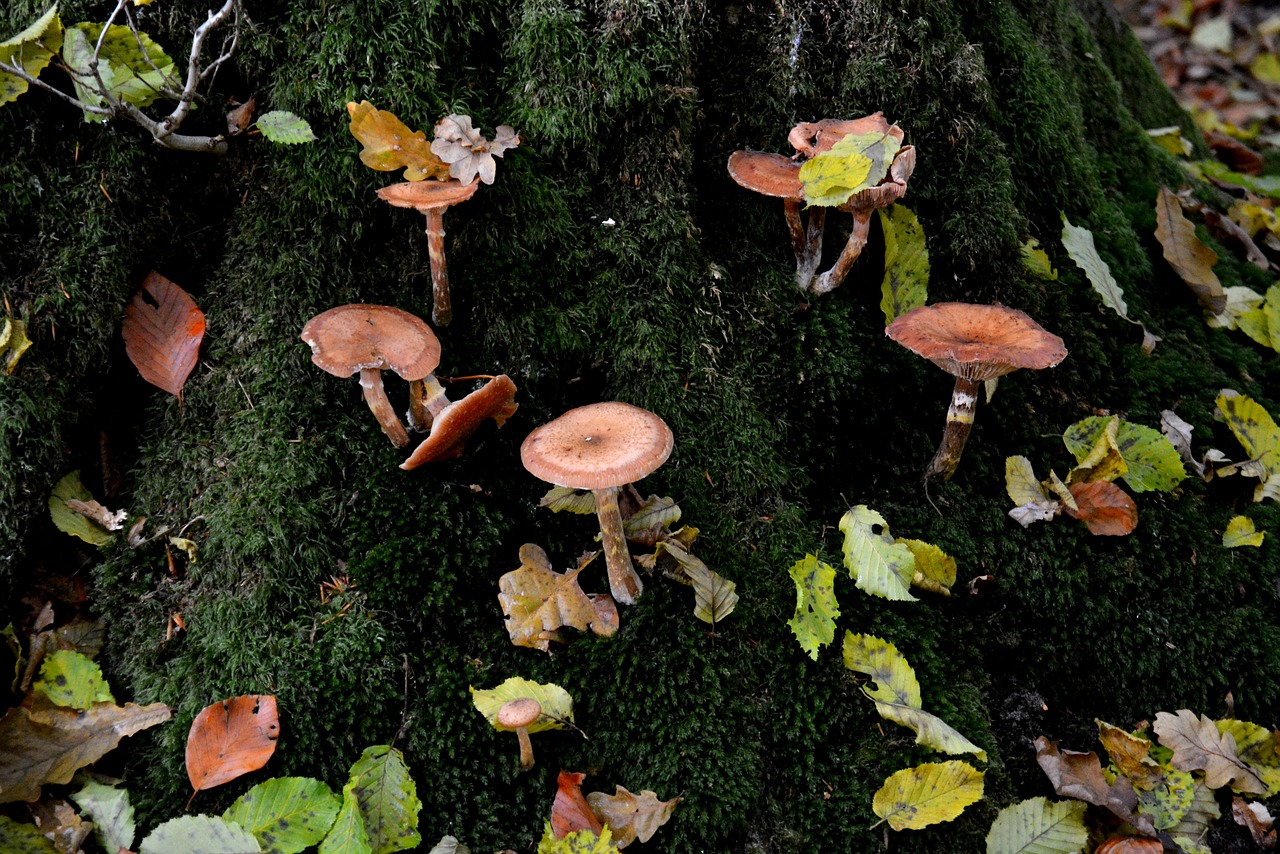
{"points": [[927, 794], [814, 622], [854, 163], [1020, 481], [1036, 826], [906, 262], [878, 565], [1079, 245], [1190, 259], [1241, 532], [1197, 745]]}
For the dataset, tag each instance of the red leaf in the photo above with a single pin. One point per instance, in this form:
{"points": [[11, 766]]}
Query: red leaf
{"points": [[1130, 845], [570, 811], [230, 738], [162, 331], [1104, 507]]}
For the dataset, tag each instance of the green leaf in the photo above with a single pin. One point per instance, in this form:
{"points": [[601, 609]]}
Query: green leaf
{"points": [[69, 521], [878, 565], [1079, 245], [348, 834], [894, 679], [111, 813], [1240, 532], [715, 597], [199, 834], [1198, 818], [1257, 432], [814, 623], [858, 161], [1259, 748], [557, 705], [1037, 261], [1169, 802], [31, 51], [1036, 826], [388, 799], [286, 128], [569, 500], [286, 814], [652, 516], [906, 262], [1259, 185], [1153, 461], [132, 67], [20, 838], [68, 678], [927, 794], [578, 842]]}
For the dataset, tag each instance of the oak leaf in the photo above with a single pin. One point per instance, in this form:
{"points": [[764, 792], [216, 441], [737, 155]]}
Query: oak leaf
{"points": [[389, 144], [230, 738], [1190, 258], [1104, 507], [537, 600], [631, 816], [162, 331], [570, 811], [1197, 745]]}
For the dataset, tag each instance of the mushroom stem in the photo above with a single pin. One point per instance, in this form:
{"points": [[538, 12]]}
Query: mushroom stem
{"points": [[526, 748], [829, 280], [806, 240], [427, 399], [441, 305], [376, 396], [624, 583], [964, 400]]}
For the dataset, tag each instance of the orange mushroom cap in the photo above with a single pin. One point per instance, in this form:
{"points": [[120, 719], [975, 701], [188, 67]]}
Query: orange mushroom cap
{"points": [[977, 342], [517, 713], [456, 422], [811, 138], [352, 338], [428, 195], [767, 173], [598, 446]]}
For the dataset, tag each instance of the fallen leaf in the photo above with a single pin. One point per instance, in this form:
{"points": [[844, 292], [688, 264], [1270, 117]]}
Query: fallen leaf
{"points": [[1149, 460], [570, 811], [199, 834], [13, 343], [1258, 747], [1104, 507], [1130, 754], [71, 679], [927, 794], [1171, 140], [230, 738], [1079, 775], [1096, 450], [20, 837], [285, 128], [578, 842], [1080, 247], [536, 600], [715, 596], [390, 145], [1036, 826], [239, 119], [1037, 260], [111, 812], [1241, 532], [162, 331], [387, 797], [854, 163], [631, 816], [67, 520], [906, 262], [814, 621], [651, 521], [59, 823], [557, 705], [1257, 819], [95, 512], [1197, 745], [569, 500], [286, 814], [1130, 845], [1258, 434], [878, 565], [1190, 259]]}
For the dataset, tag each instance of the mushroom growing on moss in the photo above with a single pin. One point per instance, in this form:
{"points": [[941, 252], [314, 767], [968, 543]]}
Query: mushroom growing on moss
{"points": [[973, 343], [368, 339], [602, 447], [779, 177], [455, 423], [517, 716]]}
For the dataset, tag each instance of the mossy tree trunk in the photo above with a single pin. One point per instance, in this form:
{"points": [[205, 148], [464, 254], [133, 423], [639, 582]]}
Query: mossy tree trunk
{"points": [[614, 259]]}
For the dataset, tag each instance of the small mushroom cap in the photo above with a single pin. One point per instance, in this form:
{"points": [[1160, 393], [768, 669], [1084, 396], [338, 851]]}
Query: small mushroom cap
{"points": [[811, 138], [598, 446], [518, 713], [767, 173], [428, 195], [351, 338], [456, 422], [978, 342]]}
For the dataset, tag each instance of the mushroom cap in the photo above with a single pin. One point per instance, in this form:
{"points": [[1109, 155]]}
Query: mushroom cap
{"points": [[598, 446], [764, 172], [977, 342], [456, 422], [351, 338], [517, 713], [428, 195], [888, 191], [810, 138]]}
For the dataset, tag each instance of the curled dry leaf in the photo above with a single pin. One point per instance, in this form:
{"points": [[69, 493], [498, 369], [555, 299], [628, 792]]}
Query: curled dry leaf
{"points": [[1104, 507], [230, 738], [632, 816], [162, 331], [1190, 259], [467, 151], [1257, 818], [1079, 775], [1130, 845], [537, 601], [570, 811]]}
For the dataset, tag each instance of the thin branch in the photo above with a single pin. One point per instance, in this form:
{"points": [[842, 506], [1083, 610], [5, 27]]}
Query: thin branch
{"points": [[75, 102], [193, 64], [163, 133]]}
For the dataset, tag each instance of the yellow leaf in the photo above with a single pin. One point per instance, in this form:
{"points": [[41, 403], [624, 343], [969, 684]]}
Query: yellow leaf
{"points": [[1190, 259], [1037, 260], [1266, 67], [935, 569], [13, 343], [927, 794], [390, 145], [557, 705], [1240, 532], [1104, 460], [1020, 482], [1171, 140]]}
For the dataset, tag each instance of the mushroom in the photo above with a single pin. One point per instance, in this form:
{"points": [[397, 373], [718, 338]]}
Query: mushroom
{"points": [[433, 198], [370, 339], [602, 447], [779, 177], [973, 343], [451, 428], [517, 715]]}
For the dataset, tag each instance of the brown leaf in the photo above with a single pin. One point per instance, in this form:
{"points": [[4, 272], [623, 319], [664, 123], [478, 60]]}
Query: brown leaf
{"points": [[389, 144], [60, 823], [537, 600], [1104, 507], [1130, 845], [1190, 258], [42, 743], [240, 118], [1257, 819], [606, 622], [230, 738], [162, 330], [1128, 753], [629, 816], [1234, 153], [1198, 746], [1079, 775], [570, 812]]}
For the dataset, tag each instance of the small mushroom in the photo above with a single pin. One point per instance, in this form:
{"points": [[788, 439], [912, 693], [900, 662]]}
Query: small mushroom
{"points": [[433, 198], [973, 343], [368, 339], [451, 428], [779, 177], [602, 447], [516, 715]]}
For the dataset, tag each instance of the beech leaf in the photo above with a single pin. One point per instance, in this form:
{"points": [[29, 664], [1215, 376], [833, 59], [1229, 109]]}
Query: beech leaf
{"points": [[1104, 507], [162, 331], [347, 835], [1190, 259], [537, 600], [199, 834], [935, 569], [388, 799], [814, 622], [1036, 826], [285, 128], [13, 342], [1241, 532], [570, 811], [557, 705], [1130, 845], [71, 679], [715, 596], [650, 519], [1197, 745], [286, 814], [1257, 432], [47, 744], [230, 738], [390, 145], [1079, 245], [1151, 461], [927, 794], [856, 162], [877, 564], [449, 845], [1098, 458], [111, 813], [906, 262], [632, 816], [569, 500]]}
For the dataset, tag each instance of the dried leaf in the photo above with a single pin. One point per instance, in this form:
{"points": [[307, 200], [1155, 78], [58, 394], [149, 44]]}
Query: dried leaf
{"points": [[650, 520], [629, 816], [467, 151], [1198, 746], [570, 811], [878, 565], [449, 845], [1257, 819], [47, 744], [578, 842], [239, 119], [1241, 532], [390, 145], [1130, 754], [230, 738], [1259, 748], [162, 330], [906, 262], [1198, 818], [1130, 845], [1190, 259], [536, 600], [1036, 826], [814, 622], [1079, 775], [60, 823], [1104, 507], [927, 794]]}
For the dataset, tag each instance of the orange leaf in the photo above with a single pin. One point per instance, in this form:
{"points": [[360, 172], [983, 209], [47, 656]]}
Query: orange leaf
{"points": [[230, 738], [1130, 845], [162, 330], [1104, 507], [570, 811]]}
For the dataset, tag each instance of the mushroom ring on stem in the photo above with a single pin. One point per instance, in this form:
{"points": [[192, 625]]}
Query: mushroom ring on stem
{"points": [[432, 199], [973, 343], [368, 339], [602, 447]]}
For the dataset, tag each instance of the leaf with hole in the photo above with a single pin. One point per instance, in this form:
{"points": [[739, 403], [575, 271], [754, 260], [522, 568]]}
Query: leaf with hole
{"points": [[162, 331], [1241, 532], [537, 601], [1197, 745], [570, 811], [557, 705], [1104, 507], [231, 737], [877, 564]]}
